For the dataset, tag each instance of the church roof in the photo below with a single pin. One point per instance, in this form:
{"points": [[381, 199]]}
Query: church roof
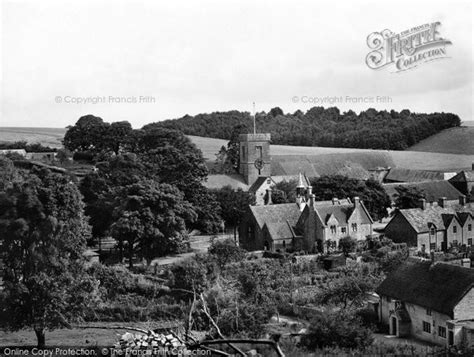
{"points": [[439, 286], [279, 230], [276, 213]]}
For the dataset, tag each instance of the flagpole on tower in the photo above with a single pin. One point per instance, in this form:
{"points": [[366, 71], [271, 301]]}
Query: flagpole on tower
{"points": [[254, 126]]}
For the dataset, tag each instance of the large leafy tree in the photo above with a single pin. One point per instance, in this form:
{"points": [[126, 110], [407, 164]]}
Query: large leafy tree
{"points": [[150, 219], [44, 233], [408, 197], [88, 134], [370, 191]]}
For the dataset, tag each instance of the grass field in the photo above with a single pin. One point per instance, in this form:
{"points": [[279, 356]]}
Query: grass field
{"points": [[458, 140], [46, 136], [452, 149]]}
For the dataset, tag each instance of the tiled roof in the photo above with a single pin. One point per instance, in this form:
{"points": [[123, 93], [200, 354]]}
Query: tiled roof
{"points": [[279, 230], [438, 287], [420, 218], [276, 213], [432, 189], [408, 175], [341, 211], [258, 182], [463, 176]]}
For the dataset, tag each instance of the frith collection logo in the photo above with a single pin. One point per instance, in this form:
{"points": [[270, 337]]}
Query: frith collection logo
{"points": [[407, 49]]}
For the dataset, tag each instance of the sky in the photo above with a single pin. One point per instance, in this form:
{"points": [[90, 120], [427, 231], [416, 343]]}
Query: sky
{"points": [[147, 61]]}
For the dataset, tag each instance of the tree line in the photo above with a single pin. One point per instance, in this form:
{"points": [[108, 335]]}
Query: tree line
{"points": [[328, 127]]}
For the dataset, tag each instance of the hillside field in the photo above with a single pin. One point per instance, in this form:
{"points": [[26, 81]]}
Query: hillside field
{"points": [[440, 152], [459, 140]]}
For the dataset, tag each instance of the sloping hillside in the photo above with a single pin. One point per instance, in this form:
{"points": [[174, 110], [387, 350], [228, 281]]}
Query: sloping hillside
{"points": [[45, 136], [458, 140], [405, 159]]}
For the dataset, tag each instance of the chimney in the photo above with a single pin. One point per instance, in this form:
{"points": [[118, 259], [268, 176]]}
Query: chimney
{"points": [[356, 202], [269, 195], [462, 200], [312, 197], [472, 167], [442, 202], [422, 203], [335, 201], [309, 191]]}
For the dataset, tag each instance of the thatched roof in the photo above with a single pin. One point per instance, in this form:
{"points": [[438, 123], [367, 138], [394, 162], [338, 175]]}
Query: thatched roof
{"points": [[439, 286], [408, 175], [354, 165]]}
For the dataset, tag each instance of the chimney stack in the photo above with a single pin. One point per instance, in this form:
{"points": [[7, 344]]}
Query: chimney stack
{"points": [[312, 197], [269, 195], [462, 200], [442, 202], [422, 203], [309, 191], [335, 201], [356, 202]]}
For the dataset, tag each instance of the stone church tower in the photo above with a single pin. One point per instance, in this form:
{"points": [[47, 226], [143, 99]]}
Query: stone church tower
{"points": [[255, 159]]}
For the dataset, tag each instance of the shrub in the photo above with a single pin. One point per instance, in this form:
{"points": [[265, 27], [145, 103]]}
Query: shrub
{"points": [[347, 245], [225, 252], [339, 329]]}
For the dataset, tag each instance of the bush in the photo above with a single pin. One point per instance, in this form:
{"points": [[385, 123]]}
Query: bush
{"points": [[339, 329], [187, 277], [347, 245], [225, 252], [83, 156]]}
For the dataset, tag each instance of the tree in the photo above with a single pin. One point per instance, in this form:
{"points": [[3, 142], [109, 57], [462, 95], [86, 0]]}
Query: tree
{"points": [[118, 135], [8, 173], [370, 191], [44, 233], [408, 197], [225, 252], [87, 134], [347, 245], [150, 218], [233, 204], [233, 146], [341, 329]]}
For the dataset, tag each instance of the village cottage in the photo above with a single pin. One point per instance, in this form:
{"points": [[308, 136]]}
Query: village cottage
{"points": [[430, 301], [434, 227]]}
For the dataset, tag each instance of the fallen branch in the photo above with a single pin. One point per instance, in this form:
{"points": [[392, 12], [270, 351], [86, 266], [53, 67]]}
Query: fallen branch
{"points": [[111, 328], [204, 307], [249, 341]]}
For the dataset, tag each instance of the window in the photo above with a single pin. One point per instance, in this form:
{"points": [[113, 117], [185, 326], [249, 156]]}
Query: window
{"points": [[354, 227], [426, 327], [333, 229], [243, 152], [455, 242], [428, 312], [269, 181], [343, 230], [442, 331], [433, 231], [469, 227], [432, 246], [455, 229], [469, 241], [258, 149]]}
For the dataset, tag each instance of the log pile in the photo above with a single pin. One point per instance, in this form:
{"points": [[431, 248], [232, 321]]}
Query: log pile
{"points": [[152, 340]]}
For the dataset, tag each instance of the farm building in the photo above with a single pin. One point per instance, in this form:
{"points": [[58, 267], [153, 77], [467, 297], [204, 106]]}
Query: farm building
{"points": [[464, 181], [410, 175], [431, 189], [433, 302]]}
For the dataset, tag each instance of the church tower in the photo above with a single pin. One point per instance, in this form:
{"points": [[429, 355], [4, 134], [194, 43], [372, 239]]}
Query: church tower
{"points": [[255, 159]]}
